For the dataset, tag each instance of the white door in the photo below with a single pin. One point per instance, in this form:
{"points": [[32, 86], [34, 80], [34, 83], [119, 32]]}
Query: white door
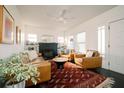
{"points": [[117, 46]]}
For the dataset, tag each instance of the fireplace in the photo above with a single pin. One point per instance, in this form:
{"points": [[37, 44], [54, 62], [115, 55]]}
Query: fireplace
{"points": [[48, 50]]}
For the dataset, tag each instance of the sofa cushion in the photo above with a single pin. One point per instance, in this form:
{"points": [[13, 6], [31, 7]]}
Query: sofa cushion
{"points": [[25, 57], [32, 54]]}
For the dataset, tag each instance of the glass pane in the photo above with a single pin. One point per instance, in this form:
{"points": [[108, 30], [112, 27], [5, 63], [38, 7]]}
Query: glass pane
{"points": [[32, 37], [101, 39], [81, 37], [60, 39], [81, 48], [70, 42]]}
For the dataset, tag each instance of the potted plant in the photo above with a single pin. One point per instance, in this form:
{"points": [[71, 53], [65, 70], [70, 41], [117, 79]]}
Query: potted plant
{"points": [[16, 72]]}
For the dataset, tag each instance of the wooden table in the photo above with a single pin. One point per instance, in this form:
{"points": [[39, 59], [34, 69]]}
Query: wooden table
{"points": [[60, 61]]}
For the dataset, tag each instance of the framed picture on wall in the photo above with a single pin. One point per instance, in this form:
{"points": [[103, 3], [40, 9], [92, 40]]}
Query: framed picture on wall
{"points": [[7, 26], [18, 35]]}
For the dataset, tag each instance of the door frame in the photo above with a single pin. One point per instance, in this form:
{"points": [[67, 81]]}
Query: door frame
{"points": [[109, 36]]}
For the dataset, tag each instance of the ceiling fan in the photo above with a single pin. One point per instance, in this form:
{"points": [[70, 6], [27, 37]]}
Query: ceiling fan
{"points": [[63, 16]]}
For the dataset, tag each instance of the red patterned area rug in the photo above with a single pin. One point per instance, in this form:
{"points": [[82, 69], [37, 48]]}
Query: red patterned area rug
{"points": [[77, 78]]}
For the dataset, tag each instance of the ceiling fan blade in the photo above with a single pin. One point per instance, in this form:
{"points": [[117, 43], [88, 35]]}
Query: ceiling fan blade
{"points": [[63, 12], [62, 17], [72, 18]]}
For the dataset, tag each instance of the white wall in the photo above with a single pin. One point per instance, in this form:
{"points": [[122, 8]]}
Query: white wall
{"points": [[39, 31], [6, 49], [90, 27]]}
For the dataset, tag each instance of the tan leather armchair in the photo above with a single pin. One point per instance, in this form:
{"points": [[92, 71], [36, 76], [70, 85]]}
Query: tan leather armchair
{"points": [[88, 62], [44, 69]]}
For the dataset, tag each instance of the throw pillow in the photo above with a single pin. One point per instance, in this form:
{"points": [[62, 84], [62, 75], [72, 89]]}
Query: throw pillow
{"points": [[95, 54], [25, 58], [32, 54], [89, 54]]}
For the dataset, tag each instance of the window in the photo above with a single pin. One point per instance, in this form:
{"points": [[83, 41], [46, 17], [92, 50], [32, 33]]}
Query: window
{"points": [[101, 40], [70, 42], [60, 39], [81, 42], [32, 37]]}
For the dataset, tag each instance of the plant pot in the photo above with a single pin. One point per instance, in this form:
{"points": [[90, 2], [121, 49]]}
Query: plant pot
{"points": [[17, 85]]}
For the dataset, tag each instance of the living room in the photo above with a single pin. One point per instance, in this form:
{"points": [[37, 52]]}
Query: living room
{"points": [[64, 37]]}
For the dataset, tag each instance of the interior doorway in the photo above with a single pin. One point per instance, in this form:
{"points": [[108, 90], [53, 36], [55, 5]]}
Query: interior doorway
{"points": [[116, 45]]}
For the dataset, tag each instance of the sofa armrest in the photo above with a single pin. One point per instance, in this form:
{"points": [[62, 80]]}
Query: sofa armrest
{"points": [[44, 69]]}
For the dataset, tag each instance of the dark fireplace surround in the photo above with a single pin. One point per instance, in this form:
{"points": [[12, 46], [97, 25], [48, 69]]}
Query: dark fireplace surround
{"points": [[48, 50]]}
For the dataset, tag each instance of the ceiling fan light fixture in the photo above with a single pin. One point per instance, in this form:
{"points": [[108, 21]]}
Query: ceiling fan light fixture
{"points": [[61, 19]]}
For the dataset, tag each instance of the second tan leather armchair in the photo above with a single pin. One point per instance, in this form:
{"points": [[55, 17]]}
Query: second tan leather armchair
{"points": [[88, 62]]}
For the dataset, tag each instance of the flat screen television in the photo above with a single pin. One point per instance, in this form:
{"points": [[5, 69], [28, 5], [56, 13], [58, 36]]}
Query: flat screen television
{"points": [[48, 50]]}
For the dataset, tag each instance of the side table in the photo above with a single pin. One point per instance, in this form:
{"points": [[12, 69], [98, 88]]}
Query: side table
{"points": [[60, 61]]}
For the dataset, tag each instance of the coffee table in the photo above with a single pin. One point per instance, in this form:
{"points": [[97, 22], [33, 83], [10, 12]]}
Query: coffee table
{"points": [[60, 61]]}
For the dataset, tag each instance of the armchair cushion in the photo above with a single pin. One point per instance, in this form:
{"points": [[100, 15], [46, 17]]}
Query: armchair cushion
{"points": [[28, 57]]}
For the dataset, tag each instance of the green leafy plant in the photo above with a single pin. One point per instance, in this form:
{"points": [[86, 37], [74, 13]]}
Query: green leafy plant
{"points": [[15, 71]]}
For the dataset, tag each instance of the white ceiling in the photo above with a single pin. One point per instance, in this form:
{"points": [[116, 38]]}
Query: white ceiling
{"points": [[47, 16]]}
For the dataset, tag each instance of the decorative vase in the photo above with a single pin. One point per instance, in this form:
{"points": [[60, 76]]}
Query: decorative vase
{"points": [[17, 85]]}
